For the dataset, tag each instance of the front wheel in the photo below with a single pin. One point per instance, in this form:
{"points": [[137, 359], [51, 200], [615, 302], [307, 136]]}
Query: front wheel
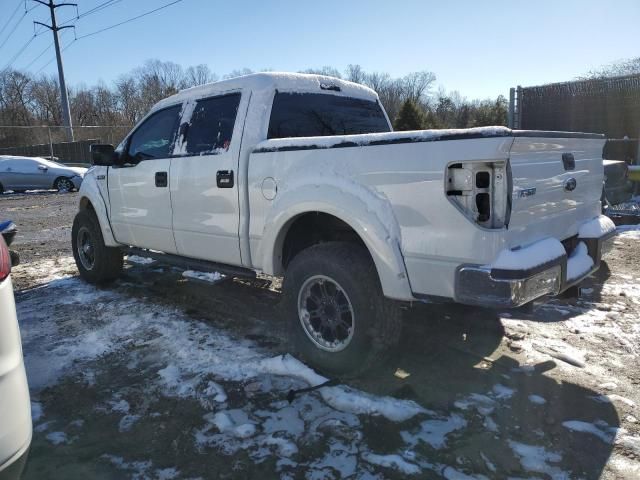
{"points": [[96, 262], [339, 320], [63, 185]]}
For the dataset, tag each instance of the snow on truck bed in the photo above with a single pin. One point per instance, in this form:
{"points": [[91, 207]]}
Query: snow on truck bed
{"points": [[380, 138]]}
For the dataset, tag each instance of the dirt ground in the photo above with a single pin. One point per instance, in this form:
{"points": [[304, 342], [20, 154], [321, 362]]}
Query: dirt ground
{"points": [[160, 377]]}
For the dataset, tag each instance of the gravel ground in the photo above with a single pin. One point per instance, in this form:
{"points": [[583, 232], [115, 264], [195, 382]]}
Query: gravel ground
{"points": [[158, 376]]}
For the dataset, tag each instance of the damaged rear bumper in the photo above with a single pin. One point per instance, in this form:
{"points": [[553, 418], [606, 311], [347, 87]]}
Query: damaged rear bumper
{"points": [[574, 259]]}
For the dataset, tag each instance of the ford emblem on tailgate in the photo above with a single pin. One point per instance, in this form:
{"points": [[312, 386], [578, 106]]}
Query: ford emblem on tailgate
{"points": [[570, 184]]}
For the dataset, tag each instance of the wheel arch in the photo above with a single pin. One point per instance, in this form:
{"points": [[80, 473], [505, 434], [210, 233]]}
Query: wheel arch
{"points": [[360, 219], [91, 198]]}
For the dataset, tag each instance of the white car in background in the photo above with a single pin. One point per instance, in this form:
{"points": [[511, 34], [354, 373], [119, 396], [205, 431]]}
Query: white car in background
{"points": [[34, 173], [15, 405]]}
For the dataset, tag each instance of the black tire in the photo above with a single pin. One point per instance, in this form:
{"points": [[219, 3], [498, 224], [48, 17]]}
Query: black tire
{"points": [[63, 184], [106, 263], [376, 321], [1, 189]]}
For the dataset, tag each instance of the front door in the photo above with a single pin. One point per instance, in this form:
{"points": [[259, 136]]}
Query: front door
{"points": [[204, 180], [139, 187]]}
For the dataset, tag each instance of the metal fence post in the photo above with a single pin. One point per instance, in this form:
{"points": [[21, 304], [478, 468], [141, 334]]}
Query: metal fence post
{"points": [[518, 112], [50, 143], [512, 106]]}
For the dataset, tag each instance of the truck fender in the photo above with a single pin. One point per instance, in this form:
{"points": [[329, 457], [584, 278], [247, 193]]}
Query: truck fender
{"points": [[367, 212], [90, 194]]}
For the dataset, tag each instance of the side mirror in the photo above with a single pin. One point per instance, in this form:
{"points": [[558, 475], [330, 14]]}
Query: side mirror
{"points": [[103, 154], [44, 168]]}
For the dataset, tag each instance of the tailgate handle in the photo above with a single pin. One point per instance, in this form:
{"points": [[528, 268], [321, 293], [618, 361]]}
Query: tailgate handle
{"points": [[569, 161]]}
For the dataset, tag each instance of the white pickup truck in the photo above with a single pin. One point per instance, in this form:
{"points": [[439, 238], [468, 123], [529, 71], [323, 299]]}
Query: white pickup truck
{"points": [[301, 176]]}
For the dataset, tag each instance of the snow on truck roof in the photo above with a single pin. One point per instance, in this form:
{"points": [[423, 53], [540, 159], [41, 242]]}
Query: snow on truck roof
{"points": [[270, 81]]}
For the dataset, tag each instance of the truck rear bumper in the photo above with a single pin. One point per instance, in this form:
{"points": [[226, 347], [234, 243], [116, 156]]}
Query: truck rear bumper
{"points": [[512, 287]]}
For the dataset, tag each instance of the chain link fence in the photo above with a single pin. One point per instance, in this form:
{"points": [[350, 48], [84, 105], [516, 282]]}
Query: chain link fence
{"points": [[50, 141]]}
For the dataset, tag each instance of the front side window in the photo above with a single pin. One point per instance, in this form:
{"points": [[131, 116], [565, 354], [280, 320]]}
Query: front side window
{"points": [[156, 136], [319, 115], [211, 125]]}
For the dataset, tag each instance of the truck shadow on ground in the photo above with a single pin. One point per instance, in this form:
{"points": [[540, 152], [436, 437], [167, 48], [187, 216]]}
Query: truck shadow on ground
{"points": [[454, 357], [454, 353]]}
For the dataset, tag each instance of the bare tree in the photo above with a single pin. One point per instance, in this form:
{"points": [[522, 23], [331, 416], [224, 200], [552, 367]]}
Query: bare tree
{"points": [[354, 73], [238, 73], [326, 70], [199, 75], [629, 66]]}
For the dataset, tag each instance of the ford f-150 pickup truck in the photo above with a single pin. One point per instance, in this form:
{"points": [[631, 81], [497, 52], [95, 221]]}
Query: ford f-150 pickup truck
{"points": [[301, 176]]}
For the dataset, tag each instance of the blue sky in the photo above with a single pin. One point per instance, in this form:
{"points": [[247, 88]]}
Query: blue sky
{"points": [[480, 48]]}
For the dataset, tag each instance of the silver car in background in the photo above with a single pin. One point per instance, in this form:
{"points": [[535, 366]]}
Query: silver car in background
{"points": [[34, 173]]}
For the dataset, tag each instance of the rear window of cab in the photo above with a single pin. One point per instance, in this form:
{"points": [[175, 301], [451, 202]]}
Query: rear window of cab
{"points": [[321, 115]]}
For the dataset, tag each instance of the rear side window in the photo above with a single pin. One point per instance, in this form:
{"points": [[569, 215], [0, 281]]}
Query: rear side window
{"points": [[320, 115], [155, 137], [211, 125]]}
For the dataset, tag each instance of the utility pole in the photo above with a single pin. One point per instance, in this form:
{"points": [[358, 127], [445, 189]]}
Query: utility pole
{"points": [[66, 114]]}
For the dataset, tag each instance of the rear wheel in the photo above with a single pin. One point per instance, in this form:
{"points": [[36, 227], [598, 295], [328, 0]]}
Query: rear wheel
{"points": [[63, 184], [338, 319], [1, 189], [96, 262]]}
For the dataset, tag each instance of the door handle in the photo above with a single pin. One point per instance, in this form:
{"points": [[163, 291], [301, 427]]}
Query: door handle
{"points": [[224, 178], [161, 179]]}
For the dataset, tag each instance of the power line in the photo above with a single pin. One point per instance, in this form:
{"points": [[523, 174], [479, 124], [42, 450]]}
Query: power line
{"points": [[95, 9], [38, 57], [18, 53], [129, 20], [11, 17], [53, 58], [105, 5], [14, 27]]}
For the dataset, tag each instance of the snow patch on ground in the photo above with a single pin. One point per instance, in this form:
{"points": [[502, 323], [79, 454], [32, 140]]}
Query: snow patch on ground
{"points": [[194, 358], [537, 399], [203, 276], [538, 460], [603, 431], [57, 438], [140, 260], [396, 462], [434, 432], [36, 411]]}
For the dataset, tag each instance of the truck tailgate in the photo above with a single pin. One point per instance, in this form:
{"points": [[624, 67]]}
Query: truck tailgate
{"points": [[557, 183]]}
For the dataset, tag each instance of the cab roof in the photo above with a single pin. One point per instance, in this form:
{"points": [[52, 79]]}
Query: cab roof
{"points": [[271, 81]]}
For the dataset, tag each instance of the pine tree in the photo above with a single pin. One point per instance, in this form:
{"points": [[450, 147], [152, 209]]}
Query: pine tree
{"points": [[410, 117]]}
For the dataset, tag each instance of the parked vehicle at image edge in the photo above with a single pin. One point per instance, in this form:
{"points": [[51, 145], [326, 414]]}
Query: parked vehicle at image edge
{"points": [[617, 193], [34, 173], [618, 188], [301, 176], [15, 405], [8, 231]]}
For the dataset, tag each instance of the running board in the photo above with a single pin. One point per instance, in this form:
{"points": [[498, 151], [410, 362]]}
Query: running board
{"points": [[186, 263]]}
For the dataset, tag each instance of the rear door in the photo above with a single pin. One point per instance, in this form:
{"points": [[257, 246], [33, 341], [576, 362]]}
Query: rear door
{"points": [[139, 195], [557, 182], [204, 180], [10, 174]]}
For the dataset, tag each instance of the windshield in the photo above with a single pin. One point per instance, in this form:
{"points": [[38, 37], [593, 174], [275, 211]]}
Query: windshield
{"points": [[320, 115]]}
